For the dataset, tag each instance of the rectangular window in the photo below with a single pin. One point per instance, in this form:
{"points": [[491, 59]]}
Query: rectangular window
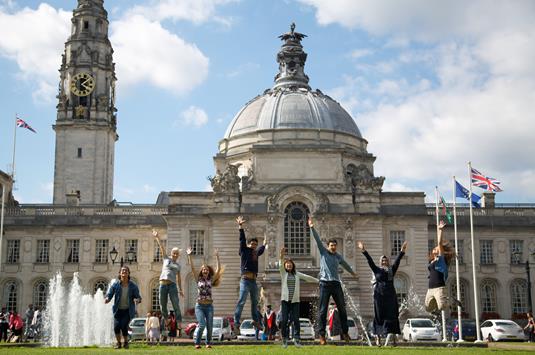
{"points": [[460, 249], [43, 249], [485, 252], [396, 241], [157, 257], [196, 241], [86, 25], [101, 251], [13, 251], [73, 251], [130, 247], [79, 153], [515, 247]]}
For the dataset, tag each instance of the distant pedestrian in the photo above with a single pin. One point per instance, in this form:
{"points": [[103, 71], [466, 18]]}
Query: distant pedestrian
{"points": [[152, 328], [530, 327], [171, 326], [4, 324], [16, 325], [126, 296]]}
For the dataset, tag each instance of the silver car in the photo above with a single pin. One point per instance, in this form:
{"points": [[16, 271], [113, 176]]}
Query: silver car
{"points": [[136, 329]]}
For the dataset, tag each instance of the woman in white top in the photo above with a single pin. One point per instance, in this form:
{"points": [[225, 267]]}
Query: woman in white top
{"points": [[290, 279], [152, 328], [169, 279]]}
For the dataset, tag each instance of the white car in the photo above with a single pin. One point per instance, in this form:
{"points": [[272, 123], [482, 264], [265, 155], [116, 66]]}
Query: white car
{"points": [[247, 331], [306, 329], [416, 329], [221, 329], [136, 329], [352, 330], [501, 329]]}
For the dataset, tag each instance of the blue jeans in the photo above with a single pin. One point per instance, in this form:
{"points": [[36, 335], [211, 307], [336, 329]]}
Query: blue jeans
{"points": [[170, 291], [328, 289], [247, 286], [290, 312], [205, 316]]}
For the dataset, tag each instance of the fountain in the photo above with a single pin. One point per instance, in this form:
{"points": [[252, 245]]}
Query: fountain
{"points": [[73, 318], [412, 305], [355, 309]]}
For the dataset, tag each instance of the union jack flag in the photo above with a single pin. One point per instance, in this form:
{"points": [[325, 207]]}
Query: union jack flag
{"points": [[485, 182], [23, 124]]}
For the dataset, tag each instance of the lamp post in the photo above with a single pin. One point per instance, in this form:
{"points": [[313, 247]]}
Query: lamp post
{"points": [[130, 254], [113, 255]]}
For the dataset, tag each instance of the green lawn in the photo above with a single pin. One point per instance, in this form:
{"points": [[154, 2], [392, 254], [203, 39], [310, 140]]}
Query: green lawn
{"points": [[269, 349]]}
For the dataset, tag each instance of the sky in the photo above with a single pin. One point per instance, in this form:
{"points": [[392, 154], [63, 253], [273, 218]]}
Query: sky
{"points": [[431, 84]]}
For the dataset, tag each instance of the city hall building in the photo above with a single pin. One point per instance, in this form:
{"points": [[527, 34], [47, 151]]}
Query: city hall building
{"points": [[289, 153]]}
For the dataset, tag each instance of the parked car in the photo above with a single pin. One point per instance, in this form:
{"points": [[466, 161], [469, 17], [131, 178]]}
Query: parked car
{"points": [[136, 329], [306, 331], [416, 329], [351, 330], [221, 329], [501, 329], [248, 332], [469, 329]]}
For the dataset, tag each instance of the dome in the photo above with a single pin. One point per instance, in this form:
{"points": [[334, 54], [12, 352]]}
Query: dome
{"points": [[292, 108]]}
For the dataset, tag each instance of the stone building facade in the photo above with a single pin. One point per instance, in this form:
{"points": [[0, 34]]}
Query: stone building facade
{"points": [[290, 153]]}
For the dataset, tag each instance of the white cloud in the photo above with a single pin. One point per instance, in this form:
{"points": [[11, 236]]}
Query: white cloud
{"points": [[196, 11], [359, 53], [193, 116], [471, 99], [145, 51], [34, 39]]}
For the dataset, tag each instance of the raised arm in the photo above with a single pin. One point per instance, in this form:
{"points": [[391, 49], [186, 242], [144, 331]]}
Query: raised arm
{"points": [[189, 251], [346, 266], [307, 278], [218, 262], [316, 236], [371, 263], [243, 241], [441, 226], [282, 252], [162, 249], [400, 256]]}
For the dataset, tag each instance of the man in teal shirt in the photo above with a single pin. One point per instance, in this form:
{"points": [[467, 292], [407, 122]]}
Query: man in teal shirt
{"points": [[330, 284]]}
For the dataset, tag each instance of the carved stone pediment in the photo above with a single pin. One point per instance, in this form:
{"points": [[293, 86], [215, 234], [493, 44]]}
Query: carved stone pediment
{"points": [[362, 179], [317, 201], [226, 182]]}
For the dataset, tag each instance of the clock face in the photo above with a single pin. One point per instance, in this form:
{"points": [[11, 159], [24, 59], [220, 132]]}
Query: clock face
{"points": [[82, 84]]}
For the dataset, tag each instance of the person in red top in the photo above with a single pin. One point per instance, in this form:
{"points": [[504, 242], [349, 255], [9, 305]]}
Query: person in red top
{"points": [[16, 324], [270, 323]]}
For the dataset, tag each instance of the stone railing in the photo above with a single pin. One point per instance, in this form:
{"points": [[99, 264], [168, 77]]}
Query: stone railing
{"points": [[499, 210], [88, 210]]}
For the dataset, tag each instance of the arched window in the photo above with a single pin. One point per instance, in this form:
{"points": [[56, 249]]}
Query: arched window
{"points": [[11, 292], [296, 229], [100, 284], [40, 293], [519, 290], [155, 296], [463, 287], [401, 283], [488, 296]]}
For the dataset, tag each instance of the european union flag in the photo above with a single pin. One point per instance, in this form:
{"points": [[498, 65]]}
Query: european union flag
{"points": [[461, 191]]}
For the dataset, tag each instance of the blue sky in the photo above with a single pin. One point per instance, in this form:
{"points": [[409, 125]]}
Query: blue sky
{"points": [[431, 85]]}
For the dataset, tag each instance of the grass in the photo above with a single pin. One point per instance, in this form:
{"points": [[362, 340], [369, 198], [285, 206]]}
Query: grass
{"points": [[268, 349]]}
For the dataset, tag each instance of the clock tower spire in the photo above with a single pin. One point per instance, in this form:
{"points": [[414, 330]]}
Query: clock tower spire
{"points": [[86, 123]]}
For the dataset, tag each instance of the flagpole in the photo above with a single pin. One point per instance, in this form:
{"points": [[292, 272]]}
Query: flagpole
{"points": [[474, 280], [443, 313], [457, 280], [14, 145], [2, 222]]}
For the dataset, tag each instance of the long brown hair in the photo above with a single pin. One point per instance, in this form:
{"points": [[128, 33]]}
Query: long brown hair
{"points": [[448, 252], [214, 276]]}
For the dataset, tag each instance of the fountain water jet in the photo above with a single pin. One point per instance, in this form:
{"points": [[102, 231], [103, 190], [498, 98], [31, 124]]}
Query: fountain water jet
{"points": [[355, 308], [73, 318]]}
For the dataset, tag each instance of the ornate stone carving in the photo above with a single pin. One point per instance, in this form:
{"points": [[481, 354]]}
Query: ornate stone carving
{"points": [[348, 239], [229, 181], [363, 180], [271, 235], [247, 181], [102, 102], [80, 111], [272, 205]]}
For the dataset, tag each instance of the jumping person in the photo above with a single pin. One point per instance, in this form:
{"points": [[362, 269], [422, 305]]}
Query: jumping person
{"points": [[169, 279], [290, 298], [126, 295], [436, 299], [385, 300], [249, 253], [330, 284], [204, 309]]}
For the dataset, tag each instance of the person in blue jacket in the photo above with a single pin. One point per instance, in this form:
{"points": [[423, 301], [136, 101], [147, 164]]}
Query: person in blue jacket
{"points": [[126, 296]]}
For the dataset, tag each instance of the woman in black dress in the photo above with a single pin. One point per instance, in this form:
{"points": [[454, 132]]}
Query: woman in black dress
{"points": [[385, 301]]}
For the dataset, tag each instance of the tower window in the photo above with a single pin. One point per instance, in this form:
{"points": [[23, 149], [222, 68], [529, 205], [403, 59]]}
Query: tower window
{"points": [[86, 25], [79, 152]]}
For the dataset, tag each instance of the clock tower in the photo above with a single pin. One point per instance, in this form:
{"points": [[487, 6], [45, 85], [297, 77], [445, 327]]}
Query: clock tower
{"points": [[86, 123]]}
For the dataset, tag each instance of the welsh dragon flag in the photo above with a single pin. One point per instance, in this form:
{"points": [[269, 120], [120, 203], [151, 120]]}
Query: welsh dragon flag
{"points": [[444, 210]]}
